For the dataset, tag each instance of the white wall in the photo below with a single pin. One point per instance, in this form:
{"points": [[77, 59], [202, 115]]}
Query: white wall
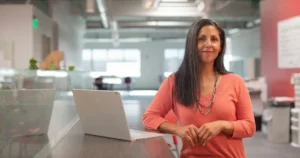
{"points": [[45, 28], [69, 36], [71, 30], [152, 60], [16, 26]]}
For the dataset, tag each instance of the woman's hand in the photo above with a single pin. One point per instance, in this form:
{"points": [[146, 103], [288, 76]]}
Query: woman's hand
{"points": [[188, 133], [209, 130]]}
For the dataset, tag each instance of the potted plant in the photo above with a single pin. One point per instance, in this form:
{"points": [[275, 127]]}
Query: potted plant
{"points": [[32, 64], [71, 67]]}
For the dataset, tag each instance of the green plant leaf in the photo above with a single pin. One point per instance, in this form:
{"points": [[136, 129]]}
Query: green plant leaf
{"points": [[53, 66]]}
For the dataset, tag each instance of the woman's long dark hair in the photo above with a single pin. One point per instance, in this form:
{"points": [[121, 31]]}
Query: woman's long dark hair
{"points": [[187, 77]]}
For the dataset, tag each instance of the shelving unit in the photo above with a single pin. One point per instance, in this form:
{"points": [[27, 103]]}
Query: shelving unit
{"points": [[295, 127], [295, 112]]}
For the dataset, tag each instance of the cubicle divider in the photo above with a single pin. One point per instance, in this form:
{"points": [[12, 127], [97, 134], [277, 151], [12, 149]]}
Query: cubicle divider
{"points": [[37, 109]]}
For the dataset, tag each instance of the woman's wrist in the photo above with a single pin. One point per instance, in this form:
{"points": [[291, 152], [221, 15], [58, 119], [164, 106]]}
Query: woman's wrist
{"points": [[226, 126], [167, 127], [176, 129]]}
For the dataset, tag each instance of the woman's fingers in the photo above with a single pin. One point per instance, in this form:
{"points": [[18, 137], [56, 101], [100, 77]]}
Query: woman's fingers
{"points": [[190, 140], [208, 140], [201, 133], [193, 134]]}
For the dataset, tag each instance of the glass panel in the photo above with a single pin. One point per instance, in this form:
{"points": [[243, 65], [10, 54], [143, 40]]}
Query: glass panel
{"points": [[38, 104]]}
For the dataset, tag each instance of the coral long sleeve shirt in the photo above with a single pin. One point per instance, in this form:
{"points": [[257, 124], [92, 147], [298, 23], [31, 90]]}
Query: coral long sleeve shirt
{"points": [[232, 103]]}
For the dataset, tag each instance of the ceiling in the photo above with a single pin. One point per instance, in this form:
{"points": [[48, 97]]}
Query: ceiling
{"points": [[116, 21], [148, 20], [41, 4]]}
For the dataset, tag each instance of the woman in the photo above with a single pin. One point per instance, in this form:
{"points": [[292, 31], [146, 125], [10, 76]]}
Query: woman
{"points": [[212, 105]]}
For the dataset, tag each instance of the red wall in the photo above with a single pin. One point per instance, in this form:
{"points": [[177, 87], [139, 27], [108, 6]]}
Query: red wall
{"points": [[271, 12]]}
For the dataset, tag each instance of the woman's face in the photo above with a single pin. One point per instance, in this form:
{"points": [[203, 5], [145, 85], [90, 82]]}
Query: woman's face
{"points": [[209, 44]]}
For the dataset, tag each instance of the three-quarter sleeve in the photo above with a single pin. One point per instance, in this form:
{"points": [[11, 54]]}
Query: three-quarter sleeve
{"points": [[160, 105], [244, 126]]}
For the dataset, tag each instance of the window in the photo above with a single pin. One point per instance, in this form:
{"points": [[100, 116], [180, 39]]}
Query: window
{"points": [[118, 62], [228, 56], [86, 54], [123, 68], [100, 54], [172, 60], [131, 55], [115, 54], [227, 59], [86, 59]]}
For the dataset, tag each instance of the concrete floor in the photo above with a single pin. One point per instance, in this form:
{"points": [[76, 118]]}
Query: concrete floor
{"points": [[259, 147], [256, 147]]}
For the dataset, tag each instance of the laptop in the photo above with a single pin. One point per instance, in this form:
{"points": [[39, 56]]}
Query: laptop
{"points": [[26, 112], [102, 114]]}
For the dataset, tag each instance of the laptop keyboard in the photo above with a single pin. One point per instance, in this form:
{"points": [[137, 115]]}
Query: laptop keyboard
{"points": [[135, 134]]}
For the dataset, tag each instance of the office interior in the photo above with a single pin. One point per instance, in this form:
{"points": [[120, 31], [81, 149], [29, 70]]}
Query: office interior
{"points": [[132, 46]]}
